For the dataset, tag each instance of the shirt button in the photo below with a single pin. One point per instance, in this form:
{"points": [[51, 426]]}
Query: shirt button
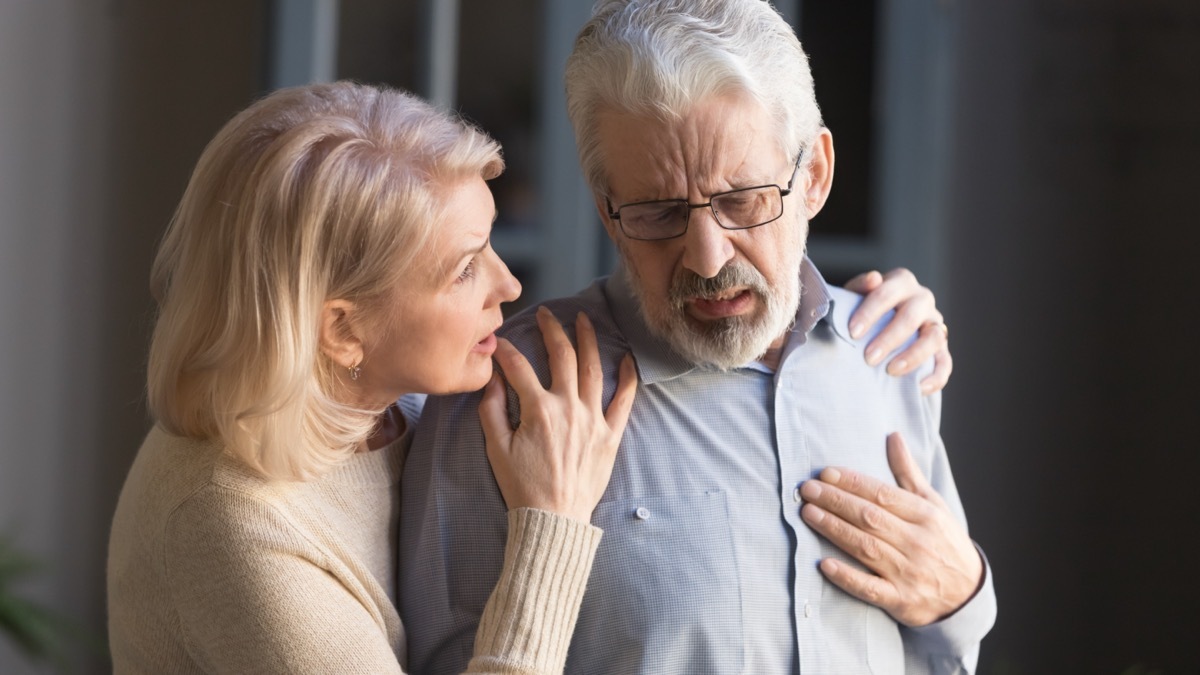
{"points": [[796, 494], [807, 609], [642, 513]]}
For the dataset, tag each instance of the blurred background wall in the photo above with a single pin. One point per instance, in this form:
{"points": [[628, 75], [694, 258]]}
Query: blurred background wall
{"points": [[1065, 139]]}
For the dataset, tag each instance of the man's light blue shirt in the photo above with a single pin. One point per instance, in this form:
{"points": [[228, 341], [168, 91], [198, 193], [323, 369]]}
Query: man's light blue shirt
{"points": [[705, 565]]}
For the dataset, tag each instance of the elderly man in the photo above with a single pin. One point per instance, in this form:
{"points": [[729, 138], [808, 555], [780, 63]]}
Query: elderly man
{"points": [[764, 516]]}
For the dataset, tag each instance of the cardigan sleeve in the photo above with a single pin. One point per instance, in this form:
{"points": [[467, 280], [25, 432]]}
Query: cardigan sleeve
{"points": [[528, 621], [253, 595]]}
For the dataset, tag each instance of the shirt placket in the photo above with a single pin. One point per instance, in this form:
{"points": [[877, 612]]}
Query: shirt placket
{"points": [[796, 466]]}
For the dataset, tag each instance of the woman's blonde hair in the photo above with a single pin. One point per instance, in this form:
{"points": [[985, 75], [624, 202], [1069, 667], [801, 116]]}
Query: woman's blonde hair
{"points": [[314, 193]]}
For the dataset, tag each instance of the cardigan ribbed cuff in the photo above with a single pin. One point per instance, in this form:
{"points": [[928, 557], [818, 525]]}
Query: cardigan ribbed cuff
{"points": [[527, 624]]}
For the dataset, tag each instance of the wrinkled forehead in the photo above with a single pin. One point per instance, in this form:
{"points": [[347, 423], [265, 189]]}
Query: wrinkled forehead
{"points": [[721, 143]]}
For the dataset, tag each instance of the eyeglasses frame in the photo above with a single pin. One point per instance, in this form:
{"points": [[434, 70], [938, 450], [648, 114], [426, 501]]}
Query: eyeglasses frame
{"points": [[783, 192]]}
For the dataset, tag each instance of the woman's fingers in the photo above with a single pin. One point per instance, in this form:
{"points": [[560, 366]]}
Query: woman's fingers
{"points": [[897, 285], [591, 377], [617, 414], [564, 376], [561, 457], [865, 282], [915, 312], [931, 339], [493, 413], [943, 365], [493, 417], [911, 313], [518, 372]]}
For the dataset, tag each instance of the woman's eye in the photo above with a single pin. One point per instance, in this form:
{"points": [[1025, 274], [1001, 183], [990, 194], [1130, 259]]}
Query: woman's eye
{"points": [[468, 271]]}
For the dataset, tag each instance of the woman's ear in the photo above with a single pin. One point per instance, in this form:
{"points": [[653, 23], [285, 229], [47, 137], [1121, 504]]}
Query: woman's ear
{"points": [[820, 173], [339, 338]]}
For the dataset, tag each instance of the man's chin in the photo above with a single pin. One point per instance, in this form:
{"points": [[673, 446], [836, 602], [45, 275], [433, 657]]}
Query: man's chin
{"points": [[722, 343]]}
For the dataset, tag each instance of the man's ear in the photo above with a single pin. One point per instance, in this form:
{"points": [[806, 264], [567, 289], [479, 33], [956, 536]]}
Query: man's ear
{"points": [[602, 209], [339, 338], [820, 173]]}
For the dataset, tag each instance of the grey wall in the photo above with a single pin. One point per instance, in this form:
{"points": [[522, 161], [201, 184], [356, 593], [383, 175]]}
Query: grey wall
{"points": [[104, 106], [1070, 285], [1073, 257]]}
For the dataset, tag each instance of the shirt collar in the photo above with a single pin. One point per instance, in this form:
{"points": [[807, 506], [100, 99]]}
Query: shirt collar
{"points": [[818, 303], [657, 361]]}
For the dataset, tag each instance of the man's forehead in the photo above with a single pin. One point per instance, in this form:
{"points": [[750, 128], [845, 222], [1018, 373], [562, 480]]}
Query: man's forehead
{"points": [[715, 145]]}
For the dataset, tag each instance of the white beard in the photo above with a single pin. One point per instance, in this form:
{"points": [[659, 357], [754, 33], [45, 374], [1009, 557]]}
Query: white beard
{"points": [[724, 343]]}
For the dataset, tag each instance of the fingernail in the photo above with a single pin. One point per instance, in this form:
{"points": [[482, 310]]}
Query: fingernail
{"points": [[829, 565], [831, 475], [543, 312], [813, 513], [874, 356], [897, 366], [926, 387], [856, 330], [583, 319], [810, 490]]}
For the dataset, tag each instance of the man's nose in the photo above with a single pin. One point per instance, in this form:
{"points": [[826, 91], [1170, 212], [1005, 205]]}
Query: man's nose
{"points": [[707, 245]]}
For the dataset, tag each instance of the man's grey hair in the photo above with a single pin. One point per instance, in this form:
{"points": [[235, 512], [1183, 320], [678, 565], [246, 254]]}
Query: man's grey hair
{"points": [[660, 57]]}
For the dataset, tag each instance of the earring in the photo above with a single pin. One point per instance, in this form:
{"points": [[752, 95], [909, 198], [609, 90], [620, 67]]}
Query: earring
{"points": [[354, 371]]}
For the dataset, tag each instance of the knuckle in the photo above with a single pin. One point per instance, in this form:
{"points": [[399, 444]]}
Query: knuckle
{"points": [[560, 349], [870, 592], [871, 550], [592, 371], [873, 518], [886, 496]]}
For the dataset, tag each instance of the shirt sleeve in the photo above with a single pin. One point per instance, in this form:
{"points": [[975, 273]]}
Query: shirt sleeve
{"points": [[252, 595], [528, 621], [949, 646]]}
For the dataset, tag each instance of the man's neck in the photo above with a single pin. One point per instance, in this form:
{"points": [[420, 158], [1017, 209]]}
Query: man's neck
{"points": [[774, 353]]}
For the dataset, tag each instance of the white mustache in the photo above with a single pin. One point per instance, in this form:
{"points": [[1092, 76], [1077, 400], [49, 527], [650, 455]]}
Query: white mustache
{"points": [[687, 284]]}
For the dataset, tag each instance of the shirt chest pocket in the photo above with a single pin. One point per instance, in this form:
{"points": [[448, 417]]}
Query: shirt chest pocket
{"points": [[665, 593]]}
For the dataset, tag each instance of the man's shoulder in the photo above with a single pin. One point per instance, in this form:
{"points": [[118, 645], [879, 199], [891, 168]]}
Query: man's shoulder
{"points": [[844, 302], [443, 415], [522, 330]]}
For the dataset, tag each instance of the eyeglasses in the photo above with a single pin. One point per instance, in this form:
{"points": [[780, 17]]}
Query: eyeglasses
{"points": [[739, 209]]}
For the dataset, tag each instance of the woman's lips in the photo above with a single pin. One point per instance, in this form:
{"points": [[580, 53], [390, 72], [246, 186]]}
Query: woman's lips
{"points": [[732, 303], [487, 345]]}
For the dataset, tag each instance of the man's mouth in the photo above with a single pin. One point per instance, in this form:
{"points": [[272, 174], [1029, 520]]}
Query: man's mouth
{"points": [[727, 303]]}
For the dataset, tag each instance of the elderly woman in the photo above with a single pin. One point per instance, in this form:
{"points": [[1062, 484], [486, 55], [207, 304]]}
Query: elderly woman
{"points": [[329, 258]]}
